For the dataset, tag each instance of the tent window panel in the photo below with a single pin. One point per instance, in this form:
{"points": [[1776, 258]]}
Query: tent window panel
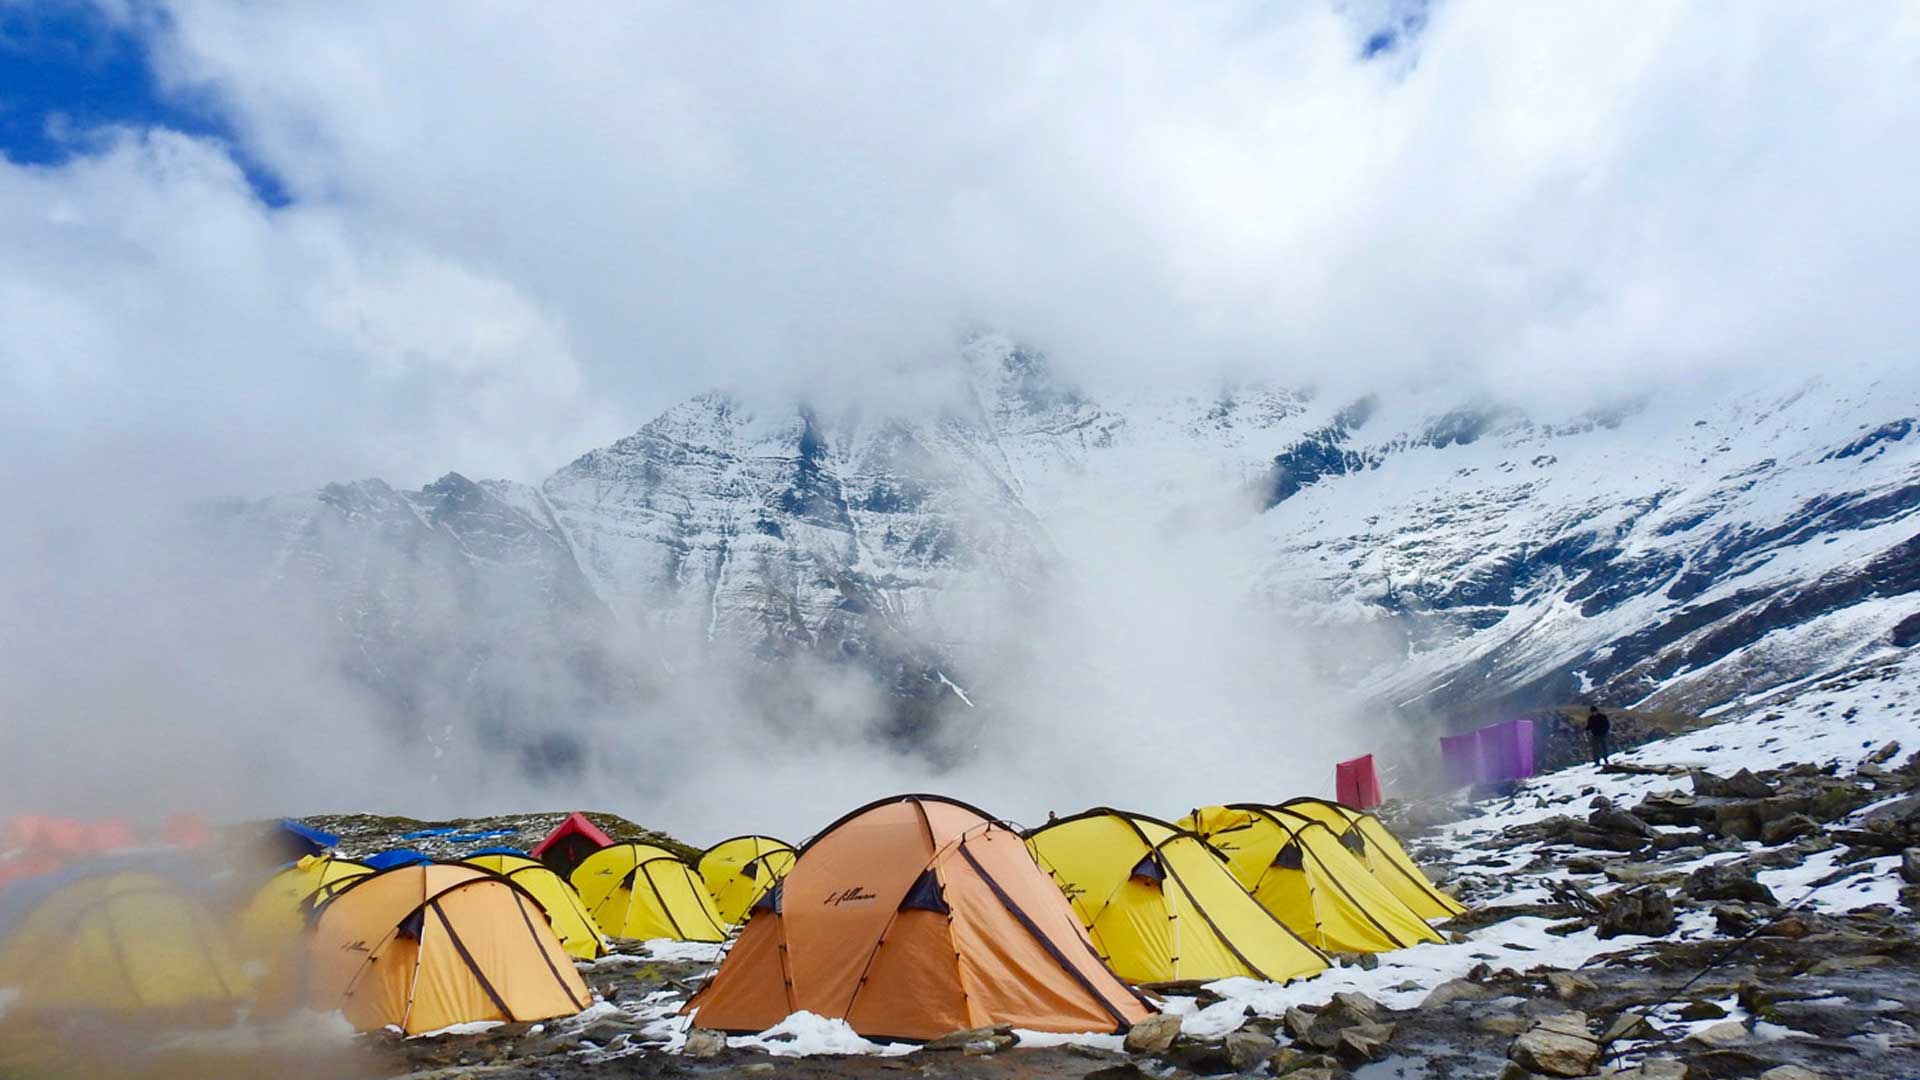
{"points": [[1148, 870], [925, 895]]}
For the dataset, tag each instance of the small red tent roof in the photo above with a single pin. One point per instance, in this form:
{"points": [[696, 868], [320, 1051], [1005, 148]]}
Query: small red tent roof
{"points": [[575, 825]]}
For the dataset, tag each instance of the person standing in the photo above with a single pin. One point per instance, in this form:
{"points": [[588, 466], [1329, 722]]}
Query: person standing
{"points": [[1598, 728]]}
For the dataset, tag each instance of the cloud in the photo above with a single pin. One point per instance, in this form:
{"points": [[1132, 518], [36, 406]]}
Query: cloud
{"points": [[1549, 198], [513, 237]]}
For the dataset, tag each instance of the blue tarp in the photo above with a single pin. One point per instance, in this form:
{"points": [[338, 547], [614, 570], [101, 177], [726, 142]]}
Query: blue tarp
{"points": [[306, 835], [422, 834], [468, 838], [386, 860]]}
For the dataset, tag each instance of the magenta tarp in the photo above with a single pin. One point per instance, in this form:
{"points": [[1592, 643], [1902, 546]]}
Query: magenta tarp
{"points": [[1356, 784], [1501, 751]]}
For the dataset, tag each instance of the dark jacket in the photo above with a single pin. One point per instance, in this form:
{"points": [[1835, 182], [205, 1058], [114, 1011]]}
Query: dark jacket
{"points": [[1598, 724]]}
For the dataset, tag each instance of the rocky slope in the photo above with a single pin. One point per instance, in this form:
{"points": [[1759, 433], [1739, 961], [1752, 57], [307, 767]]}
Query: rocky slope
{"points": [[1695, 551]]}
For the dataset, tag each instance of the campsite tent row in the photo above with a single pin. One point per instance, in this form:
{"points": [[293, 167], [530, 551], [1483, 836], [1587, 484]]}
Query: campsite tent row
{"points": [[917, 916], [909, 918]]}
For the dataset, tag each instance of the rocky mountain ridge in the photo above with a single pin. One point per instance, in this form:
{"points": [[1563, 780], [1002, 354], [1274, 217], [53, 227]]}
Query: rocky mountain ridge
{"points": [[1693, 552]]}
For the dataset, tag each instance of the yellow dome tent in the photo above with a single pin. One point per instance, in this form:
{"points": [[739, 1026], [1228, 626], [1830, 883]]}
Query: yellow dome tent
{"points": [[1161, 906], [113, 937], [1389, 863], [278, 911], [740, 870], [425, 946], [578, 933], [640, 891], [1298, 869]]}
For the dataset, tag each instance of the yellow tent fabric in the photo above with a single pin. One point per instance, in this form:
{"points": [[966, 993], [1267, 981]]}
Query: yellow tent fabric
{"points": [[640, 891], [568, 916], [1363, 834], [427, 946], [1299, 870], [740, 870], [278, 911], [113, 939], [1160, 906]]}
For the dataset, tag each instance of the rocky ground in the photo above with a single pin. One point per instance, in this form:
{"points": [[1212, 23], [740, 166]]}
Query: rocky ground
{"points": [[1734, 901]]}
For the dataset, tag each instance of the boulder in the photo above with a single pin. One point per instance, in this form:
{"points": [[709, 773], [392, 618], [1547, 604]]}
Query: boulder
{"points": [[1297, 1021], [1567, 985], [1724, 1034], [1364, 1042], [1290, 1062], [1504, 1025], [1246, 1047], [1153, 1035], [1702, 1010], [959, 1040], [1791, 827], [1671, 808], [702, 1043], [1741, 785], [1791, 1072], [1555, 1053], [1662, 1069], [1910, 866], [1454, 990], [1643, 909], [1724, 881], [1610, 818]]}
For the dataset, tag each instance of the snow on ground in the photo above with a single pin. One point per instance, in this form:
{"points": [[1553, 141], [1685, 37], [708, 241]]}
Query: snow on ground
{"points": [[691, 952], [804, 1034], [470, 1027]]}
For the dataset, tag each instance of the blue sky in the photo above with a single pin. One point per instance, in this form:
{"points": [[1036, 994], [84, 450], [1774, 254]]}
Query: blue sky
{"points": [[67, 70]]}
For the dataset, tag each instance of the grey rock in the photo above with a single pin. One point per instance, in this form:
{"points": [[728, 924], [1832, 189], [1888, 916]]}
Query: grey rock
{"points": [[1910, 866], [1791, 827], [1153, 1035], [1246, 1047], [959, 1040], [1724, 1034], [1365, 1042], [702, 1043], [1662, 1069], [1724, 881], [1643, 909], [1567, 985], [1454, 990], [1610, 818], [1792, 1072], [1555, 1053], [1741, 785]]}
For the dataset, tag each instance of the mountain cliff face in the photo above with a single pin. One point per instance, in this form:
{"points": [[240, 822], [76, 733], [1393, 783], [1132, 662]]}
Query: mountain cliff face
{"points": [[1693, 552]]}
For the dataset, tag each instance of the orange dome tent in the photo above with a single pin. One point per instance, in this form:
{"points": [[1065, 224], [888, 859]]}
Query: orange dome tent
{"points": [[910, 918], [424, 946]]}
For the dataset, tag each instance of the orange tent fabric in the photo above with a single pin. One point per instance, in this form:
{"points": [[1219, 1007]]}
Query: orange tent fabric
{"points": [[910, 918], [425, 946]]}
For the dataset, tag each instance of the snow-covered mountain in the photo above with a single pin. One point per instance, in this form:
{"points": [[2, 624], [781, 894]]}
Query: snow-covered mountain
{"points": [[1694, 551]]}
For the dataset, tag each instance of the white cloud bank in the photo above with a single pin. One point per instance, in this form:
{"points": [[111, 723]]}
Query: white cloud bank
{"points": [[518, 232]]}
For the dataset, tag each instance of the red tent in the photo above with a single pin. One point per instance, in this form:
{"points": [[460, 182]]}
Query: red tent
{"points": [[570, 841], [1356, 784]]}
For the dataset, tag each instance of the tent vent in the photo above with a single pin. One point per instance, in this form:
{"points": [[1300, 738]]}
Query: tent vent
{"points": [[411, 927], [751, 871], [1354, 841], [1148, 870], [925, 894], [1289, 857]]}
